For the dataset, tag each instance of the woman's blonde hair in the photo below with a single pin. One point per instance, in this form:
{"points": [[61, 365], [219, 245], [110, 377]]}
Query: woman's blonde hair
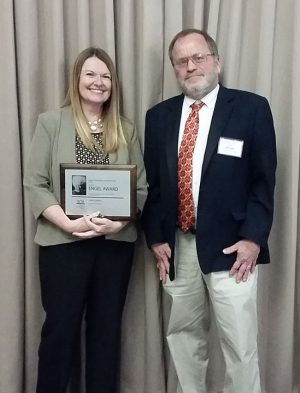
{"points": [[113, 134]]}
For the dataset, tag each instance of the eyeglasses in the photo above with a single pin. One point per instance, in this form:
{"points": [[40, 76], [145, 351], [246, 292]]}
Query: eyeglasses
{"points": [[198, 58], [94, 75]]}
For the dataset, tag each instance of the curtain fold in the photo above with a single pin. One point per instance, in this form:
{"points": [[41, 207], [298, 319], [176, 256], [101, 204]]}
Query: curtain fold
{"points": [[142, 352], [11, 235], [260, 52]]}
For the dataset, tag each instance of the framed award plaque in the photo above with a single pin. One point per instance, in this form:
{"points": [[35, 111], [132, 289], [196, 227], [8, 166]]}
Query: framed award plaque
{"points": [[108, 189]]}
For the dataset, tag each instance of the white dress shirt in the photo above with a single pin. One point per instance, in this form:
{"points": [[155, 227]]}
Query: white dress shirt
{"points": [[205, 116]]}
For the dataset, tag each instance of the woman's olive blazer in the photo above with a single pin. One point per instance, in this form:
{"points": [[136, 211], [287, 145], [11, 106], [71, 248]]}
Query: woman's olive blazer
{"points": [[54, 143]]}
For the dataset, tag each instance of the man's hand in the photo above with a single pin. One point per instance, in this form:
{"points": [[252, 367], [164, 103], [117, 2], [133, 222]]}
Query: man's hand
{"points": [[247, 253], [162, 253]]}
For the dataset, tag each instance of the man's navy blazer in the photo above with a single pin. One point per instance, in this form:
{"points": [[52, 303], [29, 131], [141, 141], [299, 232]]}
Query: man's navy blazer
{"points": [[236, 194]]}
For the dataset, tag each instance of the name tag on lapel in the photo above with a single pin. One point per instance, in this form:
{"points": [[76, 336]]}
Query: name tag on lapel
{"points": [[230, 147]]}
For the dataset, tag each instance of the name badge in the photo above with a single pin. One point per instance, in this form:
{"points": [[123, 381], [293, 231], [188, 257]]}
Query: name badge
{"points": [[230, 147]]}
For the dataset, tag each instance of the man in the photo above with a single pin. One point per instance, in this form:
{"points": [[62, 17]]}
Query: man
{"points": [[210, 158]]}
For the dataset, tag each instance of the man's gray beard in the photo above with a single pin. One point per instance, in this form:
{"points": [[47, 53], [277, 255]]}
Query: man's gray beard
{"points": [[196, 93]]}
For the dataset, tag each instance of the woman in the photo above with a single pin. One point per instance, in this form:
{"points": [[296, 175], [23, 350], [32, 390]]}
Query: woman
{"points": [[84, 263]]}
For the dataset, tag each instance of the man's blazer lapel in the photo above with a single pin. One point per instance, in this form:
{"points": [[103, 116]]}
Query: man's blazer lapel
{"points": [[222, 111], [173, 116]]}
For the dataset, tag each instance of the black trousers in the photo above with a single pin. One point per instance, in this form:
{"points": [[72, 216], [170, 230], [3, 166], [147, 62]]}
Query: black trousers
{"points": [[90, 275]]}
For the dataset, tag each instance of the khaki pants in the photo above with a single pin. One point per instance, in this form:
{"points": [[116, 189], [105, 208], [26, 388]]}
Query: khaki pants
{"points": [[234, 306]]}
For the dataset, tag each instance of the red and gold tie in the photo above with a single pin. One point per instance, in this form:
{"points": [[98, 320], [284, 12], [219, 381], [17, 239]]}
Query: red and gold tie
{"points": [[186, 211]]}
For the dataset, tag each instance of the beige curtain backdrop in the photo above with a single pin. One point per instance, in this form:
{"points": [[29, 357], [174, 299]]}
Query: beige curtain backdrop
{"points": [[260, 51]]}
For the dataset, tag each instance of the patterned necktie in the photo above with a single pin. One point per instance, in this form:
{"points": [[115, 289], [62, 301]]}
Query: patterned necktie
{"points": [[186, 211]]}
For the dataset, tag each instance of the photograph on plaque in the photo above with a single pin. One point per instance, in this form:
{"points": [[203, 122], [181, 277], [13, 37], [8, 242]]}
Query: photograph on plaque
{"points": [[107, 189]]}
